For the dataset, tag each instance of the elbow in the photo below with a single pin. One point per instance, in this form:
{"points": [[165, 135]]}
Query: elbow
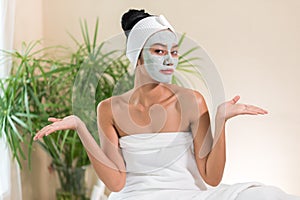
{"points": [[214, 178], [213, 181], [116, 187]]}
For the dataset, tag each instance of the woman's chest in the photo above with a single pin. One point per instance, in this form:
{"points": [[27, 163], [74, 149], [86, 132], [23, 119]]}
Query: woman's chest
{"points": [[161, 117]]}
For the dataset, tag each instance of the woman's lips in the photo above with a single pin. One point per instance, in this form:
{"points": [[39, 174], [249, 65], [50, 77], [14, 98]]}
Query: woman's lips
{"points": [[167, 71]]}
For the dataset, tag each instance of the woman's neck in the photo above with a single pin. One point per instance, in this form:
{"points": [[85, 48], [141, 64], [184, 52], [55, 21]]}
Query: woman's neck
{"points": [[147, 94], [147, 91]]}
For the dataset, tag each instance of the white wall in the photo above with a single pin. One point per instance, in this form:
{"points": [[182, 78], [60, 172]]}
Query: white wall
{"points": [[255, 46]]}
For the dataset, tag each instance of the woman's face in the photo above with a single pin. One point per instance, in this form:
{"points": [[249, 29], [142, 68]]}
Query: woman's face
{"points": [[160, 55]]}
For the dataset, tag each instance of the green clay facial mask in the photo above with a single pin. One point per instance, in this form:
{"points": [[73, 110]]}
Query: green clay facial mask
{"points": [[160, 59]]}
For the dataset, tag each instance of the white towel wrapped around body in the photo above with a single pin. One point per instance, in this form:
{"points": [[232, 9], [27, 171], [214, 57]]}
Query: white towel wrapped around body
{"points": [[162, 166]]}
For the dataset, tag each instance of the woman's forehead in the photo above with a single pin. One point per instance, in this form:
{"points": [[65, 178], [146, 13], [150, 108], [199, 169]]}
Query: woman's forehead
{"points": [[174, 45], [163, 38]]}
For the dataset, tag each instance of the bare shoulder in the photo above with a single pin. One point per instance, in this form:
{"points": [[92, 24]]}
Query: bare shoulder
{"points": [[104, 106], [109, 107], [106, 124], [105, 110]]}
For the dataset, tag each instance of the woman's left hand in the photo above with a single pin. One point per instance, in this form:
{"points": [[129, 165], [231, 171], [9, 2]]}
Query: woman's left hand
{"points": [[232, 108]]}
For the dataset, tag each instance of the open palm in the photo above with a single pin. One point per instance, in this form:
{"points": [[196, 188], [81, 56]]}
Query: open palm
{"points": [[67, 123], [232, 108]]}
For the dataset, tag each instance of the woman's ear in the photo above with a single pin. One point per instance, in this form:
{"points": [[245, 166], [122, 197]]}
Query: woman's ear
{"points": [[140, 59]]}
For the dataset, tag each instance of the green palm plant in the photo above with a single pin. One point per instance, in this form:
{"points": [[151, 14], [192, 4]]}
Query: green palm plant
{"points": [[24, 99], [39, 87]]}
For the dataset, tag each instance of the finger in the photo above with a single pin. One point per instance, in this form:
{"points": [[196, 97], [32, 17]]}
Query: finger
{"points": [[49, 131], [262, 110], [35, 137], [53, 119], [256, 109], [253, 112], [40, 134], [44, 131], [235, 99], [51, 128]]}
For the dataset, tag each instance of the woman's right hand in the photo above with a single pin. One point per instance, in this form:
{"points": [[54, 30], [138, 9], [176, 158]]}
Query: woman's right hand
{"points": [[67, 123]]}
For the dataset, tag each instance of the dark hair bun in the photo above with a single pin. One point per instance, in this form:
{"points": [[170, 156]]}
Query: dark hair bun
{"points": [[131, 17]]}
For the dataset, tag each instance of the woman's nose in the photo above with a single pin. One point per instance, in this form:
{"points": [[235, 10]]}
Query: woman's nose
{"points": [[168, 60], [168, 63]]}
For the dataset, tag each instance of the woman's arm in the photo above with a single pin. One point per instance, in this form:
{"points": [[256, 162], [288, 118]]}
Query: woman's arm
{"points": [[107, 160], [110, 146], [210, 153]]}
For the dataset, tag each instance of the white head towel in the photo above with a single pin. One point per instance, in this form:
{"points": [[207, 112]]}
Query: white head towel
{"points": [[141, 31]]}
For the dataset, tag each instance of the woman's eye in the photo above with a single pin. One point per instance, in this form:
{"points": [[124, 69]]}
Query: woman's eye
{"points": [[174, 52], [158, 51]]}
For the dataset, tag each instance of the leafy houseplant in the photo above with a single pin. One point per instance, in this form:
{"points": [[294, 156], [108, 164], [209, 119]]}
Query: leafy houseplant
{"points": [[40, 86]]}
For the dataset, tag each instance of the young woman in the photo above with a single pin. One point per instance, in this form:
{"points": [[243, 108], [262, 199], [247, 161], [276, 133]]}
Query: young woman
{"points": [[166, 146]]}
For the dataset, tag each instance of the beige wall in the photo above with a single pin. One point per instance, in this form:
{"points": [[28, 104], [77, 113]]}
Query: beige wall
{"points": [[28, 21], [254, 44]]}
